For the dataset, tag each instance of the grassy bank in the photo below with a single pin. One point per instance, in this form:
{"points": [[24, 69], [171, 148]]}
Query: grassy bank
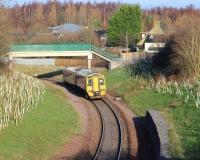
{"points": [[50, 72], [42, 132], [36, 70], [183, 116]]}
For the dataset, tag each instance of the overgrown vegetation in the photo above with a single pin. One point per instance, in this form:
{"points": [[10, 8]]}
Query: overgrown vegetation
{"points": [[84, 36], [44, 130], [176, 101], [5, 38], [182, 52], [186, 47]]}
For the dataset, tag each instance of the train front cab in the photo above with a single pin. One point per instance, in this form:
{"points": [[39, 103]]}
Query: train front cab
{"points": [[95, 86]]}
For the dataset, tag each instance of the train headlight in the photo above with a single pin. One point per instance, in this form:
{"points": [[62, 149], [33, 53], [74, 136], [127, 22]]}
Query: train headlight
{"points": [[101, 81]]}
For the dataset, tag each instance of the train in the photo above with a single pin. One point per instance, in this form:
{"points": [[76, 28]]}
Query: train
{"points": [[90, 82]]}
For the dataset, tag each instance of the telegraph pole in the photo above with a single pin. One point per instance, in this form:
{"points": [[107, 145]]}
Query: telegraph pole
{"points": [[127, 41]]}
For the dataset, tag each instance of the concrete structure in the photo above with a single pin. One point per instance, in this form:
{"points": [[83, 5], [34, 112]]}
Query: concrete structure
{"points": [[158, 130], [60, 50]]}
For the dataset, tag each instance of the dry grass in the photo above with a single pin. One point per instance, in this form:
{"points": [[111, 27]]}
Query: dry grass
{"points": [[18, 94]]}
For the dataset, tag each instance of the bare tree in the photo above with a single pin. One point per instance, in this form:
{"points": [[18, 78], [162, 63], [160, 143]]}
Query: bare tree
{"points": [[39, 18], [5, 39], [186, 46], [52, 19]]}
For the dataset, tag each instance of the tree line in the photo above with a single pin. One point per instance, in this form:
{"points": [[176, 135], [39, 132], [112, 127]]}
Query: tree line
{"points": [[39, 16]]}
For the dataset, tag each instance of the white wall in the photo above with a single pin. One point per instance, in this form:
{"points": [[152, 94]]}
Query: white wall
{"points": [[152, 45], [34, 61]]}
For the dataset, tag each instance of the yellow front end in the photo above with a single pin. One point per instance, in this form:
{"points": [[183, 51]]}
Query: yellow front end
{"points": [[96, 86]]}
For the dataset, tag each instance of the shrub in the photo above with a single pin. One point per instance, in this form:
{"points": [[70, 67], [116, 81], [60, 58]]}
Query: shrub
{"points": [[182, 52]]}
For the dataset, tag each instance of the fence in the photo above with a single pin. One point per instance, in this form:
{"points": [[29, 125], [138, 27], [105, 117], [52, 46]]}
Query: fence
{"points": [[71, 62]]}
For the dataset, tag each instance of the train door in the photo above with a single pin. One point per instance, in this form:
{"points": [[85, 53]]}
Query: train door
{"points": [[96, 88]]}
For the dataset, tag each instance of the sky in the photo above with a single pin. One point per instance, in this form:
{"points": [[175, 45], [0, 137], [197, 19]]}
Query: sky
{"points": [[143, 3]]}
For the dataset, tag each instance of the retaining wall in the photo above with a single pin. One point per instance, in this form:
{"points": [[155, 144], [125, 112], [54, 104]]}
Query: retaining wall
{"points": [[158, 130]]}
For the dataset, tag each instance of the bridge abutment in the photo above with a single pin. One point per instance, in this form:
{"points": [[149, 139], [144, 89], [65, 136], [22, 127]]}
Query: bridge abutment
{"points": [[89, 57]]}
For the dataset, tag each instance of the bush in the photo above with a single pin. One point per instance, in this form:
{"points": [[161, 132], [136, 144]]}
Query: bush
{"points": [[182, 52]]}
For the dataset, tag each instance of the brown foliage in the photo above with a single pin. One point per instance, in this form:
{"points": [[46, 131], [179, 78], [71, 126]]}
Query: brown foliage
{"points": [[181, 56], [5, 39], [86, 36], [186, 46], [4, 68], [25, 18]]}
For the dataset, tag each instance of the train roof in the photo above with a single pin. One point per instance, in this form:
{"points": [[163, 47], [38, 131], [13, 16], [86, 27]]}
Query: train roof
{"points": [[81, 71]]}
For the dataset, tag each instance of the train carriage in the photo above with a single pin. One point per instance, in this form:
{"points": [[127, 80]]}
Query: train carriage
{"points": [[92, 83]]}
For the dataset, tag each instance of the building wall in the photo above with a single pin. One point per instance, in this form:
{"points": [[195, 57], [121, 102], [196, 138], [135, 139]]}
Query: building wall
{"points": [[68, 62], [99, 62], [147, 46], [72, 62]]}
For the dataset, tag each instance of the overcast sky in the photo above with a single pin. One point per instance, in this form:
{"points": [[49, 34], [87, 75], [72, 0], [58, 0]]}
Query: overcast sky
{"points": [[144, 3]]}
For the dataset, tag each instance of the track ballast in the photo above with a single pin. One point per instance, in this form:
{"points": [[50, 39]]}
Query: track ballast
{"points": [[109, 147]]}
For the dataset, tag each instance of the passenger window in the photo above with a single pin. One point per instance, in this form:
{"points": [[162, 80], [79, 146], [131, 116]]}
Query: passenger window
{"points": [[89, 82], [101, 81]]}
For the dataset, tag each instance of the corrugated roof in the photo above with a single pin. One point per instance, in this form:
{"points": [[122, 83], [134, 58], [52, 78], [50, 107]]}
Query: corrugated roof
{"points": [[81, 71], [50, 47], [85, 72], [67, 27], [156, 30]]}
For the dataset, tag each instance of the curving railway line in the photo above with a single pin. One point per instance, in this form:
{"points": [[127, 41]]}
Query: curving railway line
{"points": [[109, 147]]}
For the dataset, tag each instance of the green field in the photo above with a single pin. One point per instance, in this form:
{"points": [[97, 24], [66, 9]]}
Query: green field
{"points": [[43, 131], [183, 117]]}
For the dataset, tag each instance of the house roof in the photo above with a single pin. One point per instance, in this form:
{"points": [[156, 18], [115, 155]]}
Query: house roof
{"points": [[141, 42], [156, 30], [67, 27]]}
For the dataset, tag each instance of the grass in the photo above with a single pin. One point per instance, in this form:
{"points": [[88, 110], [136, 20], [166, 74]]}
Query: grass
{"points": [[183, 117], [148, 100], [42, 132]]}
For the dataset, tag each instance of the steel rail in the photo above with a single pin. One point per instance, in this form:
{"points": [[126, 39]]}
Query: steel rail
{"points": [[103, 116]]}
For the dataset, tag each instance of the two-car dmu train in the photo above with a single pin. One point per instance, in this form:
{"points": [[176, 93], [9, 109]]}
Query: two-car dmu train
{"points": [[92, 83]]}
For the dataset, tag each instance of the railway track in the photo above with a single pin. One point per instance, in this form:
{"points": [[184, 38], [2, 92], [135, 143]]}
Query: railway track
{"points": [[110, 143], [109, 147]]}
